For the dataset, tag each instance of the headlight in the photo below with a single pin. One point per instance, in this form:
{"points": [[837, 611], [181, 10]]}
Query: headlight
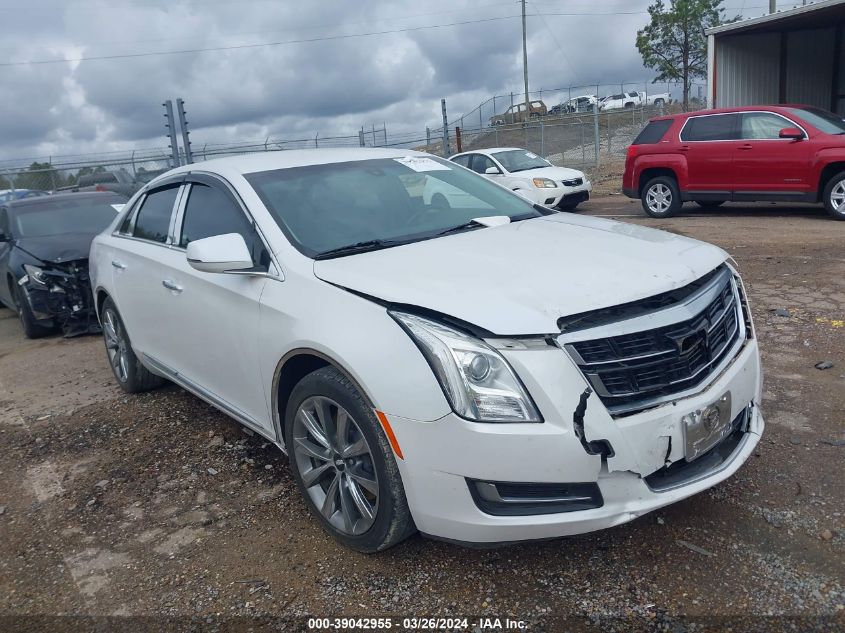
{"points": [[36, 275], [477, 380], [544, 183]]}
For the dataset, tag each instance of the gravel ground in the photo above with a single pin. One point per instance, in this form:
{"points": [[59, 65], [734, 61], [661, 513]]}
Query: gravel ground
{"points": [[156, 512]]}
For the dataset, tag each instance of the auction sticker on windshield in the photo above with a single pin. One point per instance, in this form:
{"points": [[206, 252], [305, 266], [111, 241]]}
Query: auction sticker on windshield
{"points": [[421, 164]]}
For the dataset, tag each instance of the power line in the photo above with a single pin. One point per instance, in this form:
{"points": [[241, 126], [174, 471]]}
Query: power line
{"points": [[256, 45]]}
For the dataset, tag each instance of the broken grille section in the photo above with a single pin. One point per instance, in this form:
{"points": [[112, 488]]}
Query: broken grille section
{"points": [[633, 371]]}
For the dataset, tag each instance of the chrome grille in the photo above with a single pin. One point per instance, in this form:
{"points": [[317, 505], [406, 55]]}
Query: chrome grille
{"points": [[575, 182], [632, 371]]}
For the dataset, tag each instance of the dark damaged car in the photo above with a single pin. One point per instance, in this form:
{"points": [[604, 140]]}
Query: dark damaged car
{"points": [[44, 244]]}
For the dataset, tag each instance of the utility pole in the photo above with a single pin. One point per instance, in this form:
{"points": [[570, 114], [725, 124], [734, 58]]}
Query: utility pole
{"points": [[446, 149], [773, 6], [171, 131], [525, 63], [183, 123]]}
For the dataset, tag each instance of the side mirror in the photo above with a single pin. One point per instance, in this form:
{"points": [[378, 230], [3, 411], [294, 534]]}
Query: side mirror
{"points": [[492, 171], [792, 133], [219, 254]]}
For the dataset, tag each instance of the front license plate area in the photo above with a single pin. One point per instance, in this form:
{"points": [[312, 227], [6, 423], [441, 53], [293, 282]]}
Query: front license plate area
{"points": [[706, 427]]}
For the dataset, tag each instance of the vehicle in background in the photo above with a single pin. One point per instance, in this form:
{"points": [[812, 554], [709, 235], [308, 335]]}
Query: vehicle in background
{"points": [[575, 105], [518, 113], [7, 195], [530, 175], [488, 374], [754, 154], [633, 99], [118, 181], [44, 243]]}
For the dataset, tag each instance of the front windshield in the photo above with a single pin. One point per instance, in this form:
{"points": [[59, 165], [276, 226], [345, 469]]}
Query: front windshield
{"points": [[58, 217], [322, 208], [822, 120], [520, 160]]}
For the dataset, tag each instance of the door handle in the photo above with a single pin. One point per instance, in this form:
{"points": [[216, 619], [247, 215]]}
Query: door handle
{"points": [[171, 285], [118, 265], [685, 148], [746, 147]]}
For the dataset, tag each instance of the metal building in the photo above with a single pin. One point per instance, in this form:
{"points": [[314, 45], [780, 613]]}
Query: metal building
{"points": [[794, 56]]}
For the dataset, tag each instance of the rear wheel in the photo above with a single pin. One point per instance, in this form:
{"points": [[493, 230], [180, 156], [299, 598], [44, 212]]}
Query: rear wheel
{"points": [[130, 374], [31, 328], [343, 463], [710, 204], [661, 198], [834, 196]]}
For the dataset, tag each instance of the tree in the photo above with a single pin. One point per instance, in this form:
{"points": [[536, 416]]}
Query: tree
{"points": [[674, 43], [39, 176]]}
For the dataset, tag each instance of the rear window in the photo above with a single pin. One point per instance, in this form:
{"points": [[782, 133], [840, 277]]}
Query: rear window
{"points": [[717, 127], [653, 132]]}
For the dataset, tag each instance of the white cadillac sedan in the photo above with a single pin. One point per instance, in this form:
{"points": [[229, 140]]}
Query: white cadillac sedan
{"points": [[490, 373], [530, 175]]}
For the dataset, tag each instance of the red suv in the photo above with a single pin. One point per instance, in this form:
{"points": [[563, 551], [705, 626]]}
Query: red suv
{"points": [[766, 153]]}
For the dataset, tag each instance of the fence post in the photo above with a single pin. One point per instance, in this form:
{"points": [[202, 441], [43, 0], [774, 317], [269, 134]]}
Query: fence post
{"points": [[458, 139], [384, 127], [361, 137], [609, 116], [511, 99], [480, 120], [542, 140], [596, 139], [427, 137], [446, 150], [583, 146]]}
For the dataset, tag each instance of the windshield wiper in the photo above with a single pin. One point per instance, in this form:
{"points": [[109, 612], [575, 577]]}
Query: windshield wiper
{"points": [[358, 247], [466, 226]]}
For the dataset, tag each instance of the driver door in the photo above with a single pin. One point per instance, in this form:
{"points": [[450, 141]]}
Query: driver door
{"points": [[214, 316]]}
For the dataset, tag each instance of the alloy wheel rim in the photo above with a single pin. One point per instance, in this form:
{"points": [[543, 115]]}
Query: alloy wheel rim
{"points": [[115, 345], [837, 197], [336, 465], [659, 198]]}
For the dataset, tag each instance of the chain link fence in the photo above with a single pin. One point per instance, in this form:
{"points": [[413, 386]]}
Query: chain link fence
{"points": [[566, 130]]}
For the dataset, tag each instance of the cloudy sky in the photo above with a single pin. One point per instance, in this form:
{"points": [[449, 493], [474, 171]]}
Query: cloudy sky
{"points": [[321, 75]]}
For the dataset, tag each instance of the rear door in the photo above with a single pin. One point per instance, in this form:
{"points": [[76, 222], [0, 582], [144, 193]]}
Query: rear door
{"points": [[767, 165], [709, 143], [138, 263]]}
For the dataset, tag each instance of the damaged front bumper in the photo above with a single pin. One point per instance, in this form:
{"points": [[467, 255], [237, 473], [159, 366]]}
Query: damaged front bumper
{"points": [[451, 466], [59, 295]]}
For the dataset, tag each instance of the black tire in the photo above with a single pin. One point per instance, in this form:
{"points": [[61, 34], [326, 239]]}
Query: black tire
{"points": [[670, 193], [569, 207], [131, 375], [710, 204], [392, 522], [835, 188], [31, 328]]}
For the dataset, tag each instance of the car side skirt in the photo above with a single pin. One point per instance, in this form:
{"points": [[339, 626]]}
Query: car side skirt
{"points": [[750, 196]]}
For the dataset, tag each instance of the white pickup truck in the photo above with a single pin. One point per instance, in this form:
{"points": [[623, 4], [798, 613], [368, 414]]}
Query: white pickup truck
{"points": [[632, 100]]}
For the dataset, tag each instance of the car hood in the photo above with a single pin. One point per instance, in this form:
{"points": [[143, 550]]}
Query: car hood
{"points": [[57, 249], [520, 278], [554, 173]]}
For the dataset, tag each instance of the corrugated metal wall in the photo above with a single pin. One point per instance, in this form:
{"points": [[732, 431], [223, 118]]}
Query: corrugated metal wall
{"points": [[747, 69], [809, 67]]}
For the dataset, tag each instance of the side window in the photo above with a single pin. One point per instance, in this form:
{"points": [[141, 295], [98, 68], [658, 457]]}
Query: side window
{"points": [[4, 221], [481, 163], [211, 212], [153, 220], [763, 125], [721, 127], [463, 161], [126, 223]]}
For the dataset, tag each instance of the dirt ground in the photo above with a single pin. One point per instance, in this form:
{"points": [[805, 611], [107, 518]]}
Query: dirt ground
{"points": [[108, 506]]}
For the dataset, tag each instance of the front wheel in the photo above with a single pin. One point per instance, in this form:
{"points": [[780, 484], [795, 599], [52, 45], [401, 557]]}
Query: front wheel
{"points": [[661, 198], [31, 328], [834, 196], [343, 463]]}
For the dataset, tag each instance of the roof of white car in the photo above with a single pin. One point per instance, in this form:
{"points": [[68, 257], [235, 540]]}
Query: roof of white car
{"points": [[493, 150], [266, 161]]}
